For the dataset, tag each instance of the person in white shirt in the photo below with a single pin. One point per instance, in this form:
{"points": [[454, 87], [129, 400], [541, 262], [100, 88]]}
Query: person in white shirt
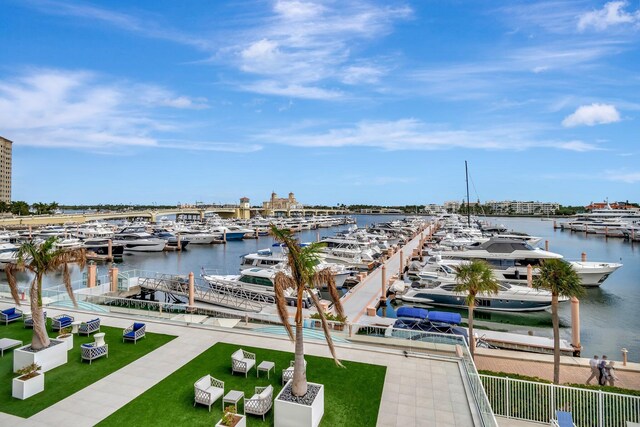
{"points": [[595, 371]]}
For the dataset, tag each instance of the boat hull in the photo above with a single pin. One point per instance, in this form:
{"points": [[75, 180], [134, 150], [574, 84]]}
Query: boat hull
{"points": [[482, 304]]}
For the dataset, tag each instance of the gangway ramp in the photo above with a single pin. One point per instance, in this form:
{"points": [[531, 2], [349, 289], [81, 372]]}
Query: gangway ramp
{"points": [[229, 296]]}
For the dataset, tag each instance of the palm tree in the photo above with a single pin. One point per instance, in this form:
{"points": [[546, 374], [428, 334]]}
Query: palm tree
{"points": [[559, 278], [472, 279], [303, 277], [40, 260]]}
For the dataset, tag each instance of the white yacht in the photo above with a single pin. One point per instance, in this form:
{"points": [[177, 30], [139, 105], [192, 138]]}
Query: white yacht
{"points": [[137, 240], [8, 253], [509, 260]]}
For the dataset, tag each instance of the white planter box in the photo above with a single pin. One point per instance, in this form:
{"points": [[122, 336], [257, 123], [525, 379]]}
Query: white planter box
{"points": [[289, 414], [23, 389], [48, 358], [241, 423], [68, 339]]}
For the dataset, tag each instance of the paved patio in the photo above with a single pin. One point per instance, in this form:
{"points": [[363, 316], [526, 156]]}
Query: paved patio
{"points": [[417, 391]]}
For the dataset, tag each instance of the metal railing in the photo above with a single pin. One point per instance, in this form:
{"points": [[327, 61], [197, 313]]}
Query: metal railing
{"points": [[533, 401]]}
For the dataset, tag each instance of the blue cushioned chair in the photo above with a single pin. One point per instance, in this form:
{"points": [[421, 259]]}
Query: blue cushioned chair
{"points": [[134, 332], [87, 328], [61, 321], [28, 320], [91, 352], [563, 419], [10, 315]]}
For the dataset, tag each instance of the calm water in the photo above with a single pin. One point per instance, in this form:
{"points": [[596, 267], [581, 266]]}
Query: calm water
{"points": [[609, 314]]}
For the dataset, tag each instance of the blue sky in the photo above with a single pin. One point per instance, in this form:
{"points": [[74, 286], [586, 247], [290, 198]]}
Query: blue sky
{"points": [[340, 102]]}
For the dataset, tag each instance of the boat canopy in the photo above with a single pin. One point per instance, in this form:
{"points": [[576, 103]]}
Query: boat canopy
{"points": [[445, 317], [412, 312]]}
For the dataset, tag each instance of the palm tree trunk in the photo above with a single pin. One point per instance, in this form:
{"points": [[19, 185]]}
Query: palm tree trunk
{"points": [[556, 338], [299, 386], [40, 338], [472, 340]]}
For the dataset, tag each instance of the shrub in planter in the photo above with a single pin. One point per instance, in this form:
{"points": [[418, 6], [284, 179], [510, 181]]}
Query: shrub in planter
{"points": [[30, 382], [66, 336], [230, 418]]}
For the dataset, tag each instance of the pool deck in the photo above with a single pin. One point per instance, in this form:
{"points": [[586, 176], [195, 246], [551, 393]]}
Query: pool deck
{"points": [[417, 391]]}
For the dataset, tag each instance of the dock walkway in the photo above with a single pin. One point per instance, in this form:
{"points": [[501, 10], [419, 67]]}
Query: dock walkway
{"points": [[368, 291]]}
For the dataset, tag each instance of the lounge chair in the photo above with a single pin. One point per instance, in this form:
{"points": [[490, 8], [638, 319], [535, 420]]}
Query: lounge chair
{"points": [[287, 374], [28, 320], [261, 402], [87, 328], [91, 351], [10, 315], [134, 332], [207, 390], [563, 419], [242, 361], [61, 321]]}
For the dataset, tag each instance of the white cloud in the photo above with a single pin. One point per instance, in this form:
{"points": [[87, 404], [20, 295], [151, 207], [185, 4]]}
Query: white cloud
{"points": [[622, 176], [412, 134], [305, 44], [611, 14], [79, 109], [591, 115]]}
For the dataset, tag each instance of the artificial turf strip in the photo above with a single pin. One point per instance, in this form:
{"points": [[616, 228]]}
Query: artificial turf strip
{"points": [[75, 375], [352, 395]]}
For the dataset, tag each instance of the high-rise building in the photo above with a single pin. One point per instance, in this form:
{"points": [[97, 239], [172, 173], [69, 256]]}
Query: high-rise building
{"points": [[5, 170]]}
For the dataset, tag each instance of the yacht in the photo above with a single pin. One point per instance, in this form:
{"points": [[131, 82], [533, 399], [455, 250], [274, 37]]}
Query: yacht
{"points": [[172, 239], [224, 232], [100, 246], [136, 240], [436, 286], [68, 243], [509, 260], [8, 253]]}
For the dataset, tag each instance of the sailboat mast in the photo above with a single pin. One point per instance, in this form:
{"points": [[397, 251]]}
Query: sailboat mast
{"points": [[466, 173]]}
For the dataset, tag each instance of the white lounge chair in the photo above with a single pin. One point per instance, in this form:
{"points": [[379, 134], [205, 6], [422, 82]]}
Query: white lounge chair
{"points": [[91, 351], [242, 361], [287, 374], [207, 390], [261, 402]]}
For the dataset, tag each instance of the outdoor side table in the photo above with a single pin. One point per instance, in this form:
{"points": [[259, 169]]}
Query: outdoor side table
{"points": [[7, 343], [74, 326], [265, 366], [99, 339], [234, 397]]}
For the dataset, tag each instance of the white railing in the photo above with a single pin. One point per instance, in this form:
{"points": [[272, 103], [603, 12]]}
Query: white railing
{"points": [[533, 401]]}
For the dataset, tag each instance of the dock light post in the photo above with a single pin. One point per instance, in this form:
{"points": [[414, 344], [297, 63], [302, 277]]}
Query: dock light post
{"points": [[583, 257], [546, 245], [575, 325], [91, 274], [383, 296], [529, 276], [401, 265], [624, 356], [191, 290]]}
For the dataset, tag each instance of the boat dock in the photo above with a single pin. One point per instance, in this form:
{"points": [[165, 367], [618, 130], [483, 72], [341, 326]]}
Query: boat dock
{"points": [[520, 342]]}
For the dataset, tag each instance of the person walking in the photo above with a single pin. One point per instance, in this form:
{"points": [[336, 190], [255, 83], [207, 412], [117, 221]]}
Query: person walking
{"points": [[601, 367], [610, 374], [595, 372]]}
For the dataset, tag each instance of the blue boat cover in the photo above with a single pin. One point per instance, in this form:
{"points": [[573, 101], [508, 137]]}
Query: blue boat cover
{"points": [[445, 317], [412, 312]]}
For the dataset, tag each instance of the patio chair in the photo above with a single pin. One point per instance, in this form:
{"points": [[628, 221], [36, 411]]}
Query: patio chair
{"points": [[563, 419], [61, 321], [10, 315], [134, 332], [261, 402], [28, 320], [242, 361], [91, 351], [287, 374], [207, 390], [87, 328]]}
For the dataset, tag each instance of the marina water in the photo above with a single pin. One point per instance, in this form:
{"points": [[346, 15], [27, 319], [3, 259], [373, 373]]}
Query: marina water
{"points": [[609, 314]]}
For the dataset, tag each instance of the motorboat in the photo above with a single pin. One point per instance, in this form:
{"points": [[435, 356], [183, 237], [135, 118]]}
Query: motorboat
{"points": [[136, 240], [172, 239], [510, 258], [68, 243], [8, 253], [100, 246]]}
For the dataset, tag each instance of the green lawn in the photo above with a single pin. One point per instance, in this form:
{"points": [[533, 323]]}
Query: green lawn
{"points": [[74, 375], [352, 395]]}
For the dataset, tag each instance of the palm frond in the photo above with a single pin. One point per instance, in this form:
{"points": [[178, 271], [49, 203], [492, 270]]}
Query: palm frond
{"points": [[280, 283], [560, 278], [10, 270], [325, 328], [325, 277]]}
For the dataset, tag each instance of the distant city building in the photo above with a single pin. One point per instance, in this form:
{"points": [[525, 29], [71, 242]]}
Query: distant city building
{"points": [[5, 170], [281, 203], [245, 203], [522, 208], [433, 209], [614, 205], [452, 207]]}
